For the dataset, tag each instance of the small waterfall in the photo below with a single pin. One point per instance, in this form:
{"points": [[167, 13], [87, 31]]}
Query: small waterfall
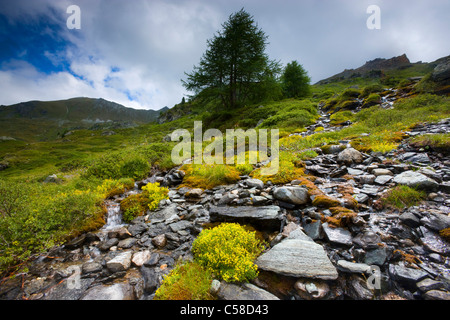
{"points": [[114, 216]]}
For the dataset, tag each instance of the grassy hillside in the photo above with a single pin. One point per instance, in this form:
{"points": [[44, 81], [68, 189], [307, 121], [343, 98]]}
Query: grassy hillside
{"points": [[47, 120], [91, 165]]}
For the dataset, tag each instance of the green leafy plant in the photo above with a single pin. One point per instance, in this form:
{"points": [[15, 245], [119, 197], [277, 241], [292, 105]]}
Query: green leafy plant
{"points": [[228, 251], [187, 281]]}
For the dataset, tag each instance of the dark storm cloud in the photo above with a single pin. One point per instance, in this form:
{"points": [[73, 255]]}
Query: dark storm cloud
{"points": [[136, 52]]}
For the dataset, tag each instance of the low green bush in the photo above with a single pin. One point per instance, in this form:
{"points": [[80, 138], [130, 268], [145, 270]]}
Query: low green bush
{"points": [[228, 251]]}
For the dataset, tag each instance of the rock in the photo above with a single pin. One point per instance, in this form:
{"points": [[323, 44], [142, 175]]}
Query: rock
{"points": [[376, 257], [215, 287], [382, 172], [416, 180], [106, 245], [126, 243], [313, 230], [254, 183], [350, 156], [294, 195], [137, 229], [141, 257], [405, 275], [194, 193], [367, 240], [337, 235], [76, 243], [245, 291], [68, 290], [298, 258], [441, 72], [428, 284], [121, 262], [357, 289], [266, 217], [166, 213], [355, 172], [409, 219], [117, 291], [53, 178], [383, 179], [436, 221], [366, 179], [91, 267], [180, 225], [361, 197], [352, 267], [150, 279], [436, 295], [160, 241], [308, 289]]}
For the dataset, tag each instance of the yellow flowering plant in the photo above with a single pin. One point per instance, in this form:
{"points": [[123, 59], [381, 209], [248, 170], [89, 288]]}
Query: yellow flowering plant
{"points": [[228, 251]]}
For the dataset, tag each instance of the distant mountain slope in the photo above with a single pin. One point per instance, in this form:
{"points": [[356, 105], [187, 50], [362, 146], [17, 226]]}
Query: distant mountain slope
{"points": [[378, 68], [37, 120], [77, 109]]}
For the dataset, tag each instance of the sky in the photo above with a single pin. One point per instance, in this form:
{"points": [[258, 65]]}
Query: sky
{"points": [[136, 52]]}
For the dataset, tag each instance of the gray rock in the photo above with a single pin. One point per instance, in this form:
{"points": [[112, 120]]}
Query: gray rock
{"points": [[416, 180], [150, 279], [121, 262], [383, 179], [436, 221], [126, 243], [367, 240], [437, 295], [164, 214], [91, 267], [352, 267], [294, 195], [254, 183], [245, 291], [267, 217], [141, 257], [137, 229], [180, 225], [382, 172], [160, 241], [313, 230], [337, 235], [356, 288], [376, 256], [106, 245], [349, 156], [361, 197], [409, 219], [298, 258], [408, 276], [311, 289], [428, 284], [68, 290], [117, 291], [366, 179], [355, 172]]}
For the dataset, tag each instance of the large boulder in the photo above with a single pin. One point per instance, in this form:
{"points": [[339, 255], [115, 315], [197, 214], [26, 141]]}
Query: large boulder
{"points": [[265, 217], [350, 156], [298, 258], [294, 195], [416, 180], [245, 291], [121, 262]]}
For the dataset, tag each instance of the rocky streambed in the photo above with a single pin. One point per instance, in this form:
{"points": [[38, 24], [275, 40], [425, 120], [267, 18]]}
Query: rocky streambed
{"points": [[376, 254]]}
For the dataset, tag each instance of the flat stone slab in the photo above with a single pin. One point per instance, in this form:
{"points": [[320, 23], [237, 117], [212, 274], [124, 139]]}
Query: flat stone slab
{"points": [[266, 217], [298, 258], [245, 291]]}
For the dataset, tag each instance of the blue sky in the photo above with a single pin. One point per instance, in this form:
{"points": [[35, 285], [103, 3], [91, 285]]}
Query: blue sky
{"points": [[136, 52]]}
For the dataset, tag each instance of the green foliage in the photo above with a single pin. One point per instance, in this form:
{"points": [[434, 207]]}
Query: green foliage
{"points": [[187, 281], [137, 204], [117, 165], [373, 88], [437, 142], [402, 197], [209, 176], [295, 81], [228, 251], [235, 63], [341, 117]]}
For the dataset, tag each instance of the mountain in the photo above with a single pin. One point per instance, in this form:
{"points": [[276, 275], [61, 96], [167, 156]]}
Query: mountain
{"points": [[377, 68], [45, 118]]}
